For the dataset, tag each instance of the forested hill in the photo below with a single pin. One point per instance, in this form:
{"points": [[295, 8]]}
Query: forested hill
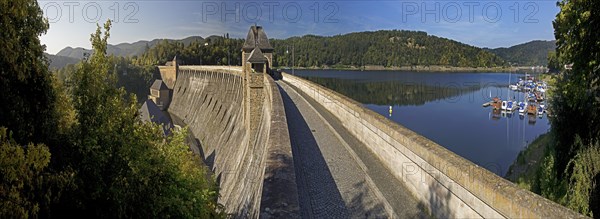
{"points": [[384, 48], [527, 54], [57, 62]]}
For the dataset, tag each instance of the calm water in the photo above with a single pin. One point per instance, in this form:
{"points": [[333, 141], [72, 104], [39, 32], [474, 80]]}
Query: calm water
{"points": [[444, 107]]}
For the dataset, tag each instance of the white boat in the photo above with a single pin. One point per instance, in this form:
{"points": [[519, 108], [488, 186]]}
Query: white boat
{"points": [[522, 108], [511, 105], [541, 89]]}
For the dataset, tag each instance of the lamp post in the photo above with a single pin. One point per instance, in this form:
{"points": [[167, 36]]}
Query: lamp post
{"points": [[288, 51]]}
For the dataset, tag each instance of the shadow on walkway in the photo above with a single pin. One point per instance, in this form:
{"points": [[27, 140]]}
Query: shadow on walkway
{"points": [[318, 194]]}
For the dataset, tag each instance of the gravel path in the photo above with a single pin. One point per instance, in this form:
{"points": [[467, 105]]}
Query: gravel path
{"points": [[330, 171]]}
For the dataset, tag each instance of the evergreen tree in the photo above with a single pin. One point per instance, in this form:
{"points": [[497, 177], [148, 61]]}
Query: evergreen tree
{"points": [[27, 100]]}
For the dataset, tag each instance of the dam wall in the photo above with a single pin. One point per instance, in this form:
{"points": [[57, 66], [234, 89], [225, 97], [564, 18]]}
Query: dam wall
{"points": [[210, 101], [448, 185]]}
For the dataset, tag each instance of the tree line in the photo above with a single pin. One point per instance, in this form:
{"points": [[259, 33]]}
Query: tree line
{"points": [[214, 50], [76, 147]]}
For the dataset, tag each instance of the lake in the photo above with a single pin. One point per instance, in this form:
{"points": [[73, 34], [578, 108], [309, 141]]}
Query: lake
{"points": [[446, 108]]}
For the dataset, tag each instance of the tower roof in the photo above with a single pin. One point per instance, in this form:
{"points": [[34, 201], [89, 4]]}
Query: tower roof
{"points": [[149, 112], [257, 38], [159, 85], [256, 56]]}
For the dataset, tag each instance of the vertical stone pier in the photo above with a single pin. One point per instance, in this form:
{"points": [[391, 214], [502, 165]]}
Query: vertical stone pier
{"points": [[254, 98], [257, 54]]}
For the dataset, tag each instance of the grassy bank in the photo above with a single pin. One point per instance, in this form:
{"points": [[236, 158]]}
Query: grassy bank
{"points": [[524, 171]]}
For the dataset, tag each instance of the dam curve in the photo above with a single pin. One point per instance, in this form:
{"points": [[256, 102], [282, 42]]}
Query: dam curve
{"points": [[319, 154], [294, 149]]}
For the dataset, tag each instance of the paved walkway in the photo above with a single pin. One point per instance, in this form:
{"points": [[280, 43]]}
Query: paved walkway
{"points": [[332, 182]]}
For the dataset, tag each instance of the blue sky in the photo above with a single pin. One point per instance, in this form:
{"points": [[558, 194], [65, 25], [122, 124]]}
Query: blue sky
{"points": [[480, 23]]}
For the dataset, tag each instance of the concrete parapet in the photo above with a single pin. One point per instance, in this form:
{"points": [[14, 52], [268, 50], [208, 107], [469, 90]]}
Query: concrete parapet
{"points": [[447, 184], [219, 68]]}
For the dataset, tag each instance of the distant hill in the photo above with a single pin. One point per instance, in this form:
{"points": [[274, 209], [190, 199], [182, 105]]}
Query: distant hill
{"points": [[123, 49], [381, 48], [57, 62], [75, 53], [533, 53]]}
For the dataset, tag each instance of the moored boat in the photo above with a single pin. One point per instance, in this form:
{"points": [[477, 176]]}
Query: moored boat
{"points": [[496, 103], [511, 105], [532, 109], [522, 107]]}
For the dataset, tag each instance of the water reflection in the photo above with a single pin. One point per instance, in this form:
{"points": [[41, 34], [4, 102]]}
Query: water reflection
{"points": [[399, 93]]}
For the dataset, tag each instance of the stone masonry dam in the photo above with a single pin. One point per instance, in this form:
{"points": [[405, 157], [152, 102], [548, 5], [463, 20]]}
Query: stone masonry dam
{"points": [[304, 151]]}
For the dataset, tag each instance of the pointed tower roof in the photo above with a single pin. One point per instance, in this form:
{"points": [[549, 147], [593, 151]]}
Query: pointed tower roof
{"points": [[256, 56], [159, 85], [257, 38]]}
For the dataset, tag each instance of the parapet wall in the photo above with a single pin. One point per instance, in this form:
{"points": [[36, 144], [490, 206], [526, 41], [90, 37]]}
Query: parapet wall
{"points": [[447, 184], [210, 102]]}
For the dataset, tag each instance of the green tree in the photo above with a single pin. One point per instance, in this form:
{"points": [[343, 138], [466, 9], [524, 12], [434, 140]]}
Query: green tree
{"points": [[25, 82], [126, 168], [582, 183], [553, 63], [27, 186], [576, 103], [578, 93], [21, 174]]}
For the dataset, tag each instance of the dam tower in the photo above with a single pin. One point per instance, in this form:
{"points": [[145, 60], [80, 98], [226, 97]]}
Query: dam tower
{"points": [[257, 56]]}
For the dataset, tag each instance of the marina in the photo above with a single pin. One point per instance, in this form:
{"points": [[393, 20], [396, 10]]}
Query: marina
{"points": [[530, 94]]}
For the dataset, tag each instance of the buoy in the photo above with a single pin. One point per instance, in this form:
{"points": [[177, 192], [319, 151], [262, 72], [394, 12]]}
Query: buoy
{"points": [[390, 111]]}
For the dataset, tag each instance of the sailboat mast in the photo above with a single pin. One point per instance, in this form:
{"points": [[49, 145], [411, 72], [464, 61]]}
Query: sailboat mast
{"points": [[508, 88]]}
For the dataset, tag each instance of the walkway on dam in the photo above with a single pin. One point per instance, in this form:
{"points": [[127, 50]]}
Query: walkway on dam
{"points": [[337, 176]]}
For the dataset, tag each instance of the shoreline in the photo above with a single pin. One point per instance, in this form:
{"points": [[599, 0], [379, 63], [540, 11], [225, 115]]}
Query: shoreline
{"points": [[432, 68], [524, 170]]}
